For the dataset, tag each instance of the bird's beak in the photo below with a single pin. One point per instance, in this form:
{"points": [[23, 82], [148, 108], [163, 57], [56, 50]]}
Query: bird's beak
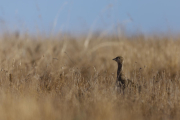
{"points": [[114, 59]]}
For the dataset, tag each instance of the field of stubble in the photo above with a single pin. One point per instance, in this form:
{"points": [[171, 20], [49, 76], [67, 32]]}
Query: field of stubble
{"points": [[66, 78]]}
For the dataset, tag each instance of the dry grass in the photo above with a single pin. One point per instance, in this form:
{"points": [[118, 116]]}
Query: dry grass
{"points": [[66, 78]]}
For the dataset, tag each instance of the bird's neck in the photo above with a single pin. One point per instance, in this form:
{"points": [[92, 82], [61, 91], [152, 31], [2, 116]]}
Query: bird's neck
{"points": [[119, 70]]}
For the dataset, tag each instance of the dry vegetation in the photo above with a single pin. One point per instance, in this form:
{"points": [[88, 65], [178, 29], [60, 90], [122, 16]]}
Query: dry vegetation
{"points": [[66, 78]]}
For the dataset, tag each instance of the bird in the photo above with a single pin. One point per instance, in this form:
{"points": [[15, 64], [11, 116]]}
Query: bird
{"points": [[121, 80]]}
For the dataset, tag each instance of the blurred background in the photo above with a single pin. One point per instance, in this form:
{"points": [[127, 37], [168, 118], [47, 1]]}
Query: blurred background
{"points": [[79, 16], [56, 59]]}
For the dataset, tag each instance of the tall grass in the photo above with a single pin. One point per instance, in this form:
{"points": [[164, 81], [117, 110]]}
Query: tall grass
{"points": [[68, 78]]}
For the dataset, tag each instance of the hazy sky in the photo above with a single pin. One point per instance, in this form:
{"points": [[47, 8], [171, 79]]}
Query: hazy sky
{"points": [[85, 15]]}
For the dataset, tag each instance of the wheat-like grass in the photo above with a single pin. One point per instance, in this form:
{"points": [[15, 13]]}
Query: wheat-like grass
{"points": [[73, 78]]}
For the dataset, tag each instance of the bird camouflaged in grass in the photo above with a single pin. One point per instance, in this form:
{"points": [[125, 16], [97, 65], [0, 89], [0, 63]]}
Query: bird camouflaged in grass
{"points": [[121, 80]]}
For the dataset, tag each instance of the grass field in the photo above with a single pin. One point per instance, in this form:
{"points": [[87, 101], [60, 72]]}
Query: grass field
{"points": [[68, 78]]}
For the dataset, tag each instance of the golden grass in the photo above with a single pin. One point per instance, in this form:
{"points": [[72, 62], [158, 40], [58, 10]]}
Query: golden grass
{"points": [[66, 78]]}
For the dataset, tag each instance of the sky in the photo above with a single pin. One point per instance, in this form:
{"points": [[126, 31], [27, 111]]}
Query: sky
{"points": [[78, 16]]}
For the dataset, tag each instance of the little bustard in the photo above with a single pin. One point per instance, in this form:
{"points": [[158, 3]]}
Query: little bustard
{"points": [[121, 80]]}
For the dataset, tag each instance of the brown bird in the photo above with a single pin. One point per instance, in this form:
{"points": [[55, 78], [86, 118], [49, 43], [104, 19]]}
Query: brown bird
{"points": [[121, 81]]}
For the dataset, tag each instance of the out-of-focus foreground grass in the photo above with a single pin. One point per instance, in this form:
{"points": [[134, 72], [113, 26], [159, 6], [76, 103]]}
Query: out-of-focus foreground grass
{"points": [[66, 78]]}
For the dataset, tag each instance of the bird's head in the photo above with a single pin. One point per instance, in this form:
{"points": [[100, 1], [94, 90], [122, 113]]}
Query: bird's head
{"points": [[119, 59]]}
